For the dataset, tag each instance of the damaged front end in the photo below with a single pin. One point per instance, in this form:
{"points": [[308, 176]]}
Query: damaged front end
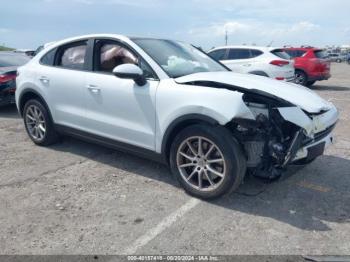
{"points": [[281, 134]]}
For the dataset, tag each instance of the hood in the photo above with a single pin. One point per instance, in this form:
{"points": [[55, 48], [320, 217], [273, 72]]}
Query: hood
{"points": [[293, 93]]}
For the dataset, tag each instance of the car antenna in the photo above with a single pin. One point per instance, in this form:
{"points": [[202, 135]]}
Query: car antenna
{"points": [[270, 44]]}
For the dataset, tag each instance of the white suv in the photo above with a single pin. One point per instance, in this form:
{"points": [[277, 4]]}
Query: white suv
{"points": [[263, 61], [169, 101]]}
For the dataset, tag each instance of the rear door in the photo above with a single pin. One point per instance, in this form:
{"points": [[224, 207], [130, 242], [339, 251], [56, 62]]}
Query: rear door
{"points": [[62, 77]]}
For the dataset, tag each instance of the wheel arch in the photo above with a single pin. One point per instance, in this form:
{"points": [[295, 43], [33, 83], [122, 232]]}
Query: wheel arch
{"points": [[28, 94], [179, 124]]}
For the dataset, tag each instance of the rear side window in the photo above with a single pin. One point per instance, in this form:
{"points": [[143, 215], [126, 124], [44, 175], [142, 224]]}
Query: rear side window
{"points": [[218, 54], [321, 54], [49, 58], [238, 54], [72, 56], [281, 54], [295, 53], [255, 53]]}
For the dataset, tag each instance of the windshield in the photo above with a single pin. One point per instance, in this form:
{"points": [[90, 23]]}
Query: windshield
{"points": [[281, 54], [178, 59], [11, 59]]}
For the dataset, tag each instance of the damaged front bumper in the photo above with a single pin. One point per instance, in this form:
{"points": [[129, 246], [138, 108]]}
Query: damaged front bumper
{"points": [[283, 134], [317, 131]]}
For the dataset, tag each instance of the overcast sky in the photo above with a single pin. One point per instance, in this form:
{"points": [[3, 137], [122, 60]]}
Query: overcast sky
{"points": [[29, 23]]}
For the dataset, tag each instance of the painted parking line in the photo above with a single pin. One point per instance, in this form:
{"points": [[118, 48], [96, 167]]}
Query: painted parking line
{"points": [[312, 186], [164, 224]]}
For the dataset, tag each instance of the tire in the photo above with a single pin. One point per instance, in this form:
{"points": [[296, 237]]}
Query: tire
{"points": [[221, 148], [338, 60], [301, 77], [310, 83], [38, 123]]}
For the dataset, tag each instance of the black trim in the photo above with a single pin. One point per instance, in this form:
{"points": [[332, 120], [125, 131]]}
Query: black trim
{"points": [[107, 142], [259, 73], [183, 119]]}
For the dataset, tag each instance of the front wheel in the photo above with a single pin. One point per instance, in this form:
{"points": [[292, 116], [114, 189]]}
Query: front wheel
{"points": [[38, 123], [207, 161]]}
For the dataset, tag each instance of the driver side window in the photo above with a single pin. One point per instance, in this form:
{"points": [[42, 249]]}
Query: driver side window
{"points": [[109, 54]]}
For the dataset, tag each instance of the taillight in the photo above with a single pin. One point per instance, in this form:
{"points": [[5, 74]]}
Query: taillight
{"points": [[5, 78], [279, 62]]}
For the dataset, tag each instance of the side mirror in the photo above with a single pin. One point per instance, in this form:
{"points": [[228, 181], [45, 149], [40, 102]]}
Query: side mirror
{"points": [[130, 71]]}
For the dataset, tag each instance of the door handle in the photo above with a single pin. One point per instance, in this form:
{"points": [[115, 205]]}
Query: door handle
{"points": [[247, 64], [93, 89], [44, 79]]}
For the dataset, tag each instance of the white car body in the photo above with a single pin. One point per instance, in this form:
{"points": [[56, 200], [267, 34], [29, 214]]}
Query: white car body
{"points": [[143, 116], [258, 63]]}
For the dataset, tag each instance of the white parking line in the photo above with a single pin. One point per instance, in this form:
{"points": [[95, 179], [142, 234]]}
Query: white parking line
{"points": [[164, 224]]}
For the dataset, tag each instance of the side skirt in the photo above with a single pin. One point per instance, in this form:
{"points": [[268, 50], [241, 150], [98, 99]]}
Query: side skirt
{"points": [[110, 143]]}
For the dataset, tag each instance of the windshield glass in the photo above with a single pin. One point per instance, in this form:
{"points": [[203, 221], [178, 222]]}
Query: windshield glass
{"points": [[178, 59], [281, 54]]}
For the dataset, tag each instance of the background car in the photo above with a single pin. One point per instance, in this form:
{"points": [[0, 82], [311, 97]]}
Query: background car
{"points": [[335, 57], [311, 64], [9, 61], [263, 61], [348, 59]]}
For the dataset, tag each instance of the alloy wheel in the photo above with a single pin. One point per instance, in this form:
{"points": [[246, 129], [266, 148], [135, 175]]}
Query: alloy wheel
{"points": [[35, 122], [299, 78], [201, 163]]}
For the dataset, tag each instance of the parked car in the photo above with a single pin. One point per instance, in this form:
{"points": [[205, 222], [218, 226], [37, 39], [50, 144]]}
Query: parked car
{"points": [[9, 61], [336, 57], [348, 58], [311, 64], [27, 52], [263, 61], [168, 101]]}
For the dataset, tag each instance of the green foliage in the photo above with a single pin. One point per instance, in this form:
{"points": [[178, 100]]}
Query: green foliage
{"points": [[4, 48]]}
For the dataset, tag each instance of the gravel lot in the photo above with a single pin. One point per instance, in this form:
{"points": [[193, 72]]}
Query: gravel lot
{"points": [[79, 198]]}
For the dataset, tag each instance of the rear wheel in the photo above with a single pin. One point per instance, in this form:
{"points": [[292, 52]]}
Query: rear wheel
{"points": [[38, 123], [300, 77], [338, 60], [207, 161]]}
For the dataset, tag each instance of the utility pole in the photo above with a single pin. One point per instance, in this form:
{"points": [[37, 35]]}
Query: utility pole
{"points": [[226, 36]]}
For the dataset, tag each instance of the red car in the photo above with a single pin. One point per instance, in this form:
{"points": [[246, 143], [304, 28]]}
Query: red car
{"points": [[311, 64]]}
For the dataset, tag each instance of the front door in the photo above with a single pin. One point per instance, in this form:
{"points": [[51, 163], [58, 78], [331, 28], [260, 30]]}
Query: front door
{"points": [[118, 108]]}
